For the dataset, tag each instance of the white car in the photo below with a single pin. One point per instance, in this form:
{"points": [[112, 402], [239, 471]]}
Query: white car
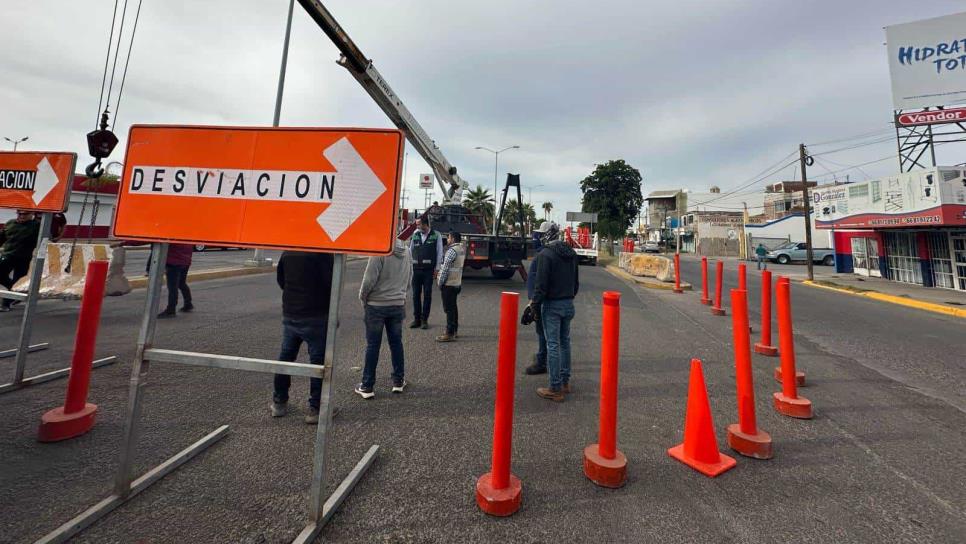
{"points": [[652, 247]]}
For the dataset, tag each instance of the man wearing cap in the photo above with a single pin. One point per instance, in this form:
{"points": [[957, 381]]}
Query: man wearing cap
{"points": [[426, 248], [539, 365], [17, 242]]}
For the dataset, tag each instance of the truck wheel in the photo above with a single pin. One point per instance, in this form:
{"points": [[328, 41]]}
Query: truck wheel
{"points": [[829, 260], [783, 259], [503, 273], [199, 247]]}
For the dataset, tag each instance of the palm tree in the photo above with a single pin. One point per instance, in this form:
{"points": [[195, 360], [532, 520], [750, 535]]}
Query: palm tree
{"points": [[547, 206], [480, 201], [511, 216]]}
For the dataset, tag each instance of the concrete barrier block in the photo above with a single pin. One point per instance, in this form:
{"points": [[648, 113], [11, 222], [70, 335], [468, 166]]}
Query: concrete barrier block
{"points": [[56, 282]]}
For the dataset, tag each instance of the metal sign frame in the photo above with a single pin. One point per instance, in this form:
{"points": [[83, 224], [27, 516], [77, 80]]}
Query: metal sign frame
{"points": [[27, 322], [126, 486], [914, 141]]}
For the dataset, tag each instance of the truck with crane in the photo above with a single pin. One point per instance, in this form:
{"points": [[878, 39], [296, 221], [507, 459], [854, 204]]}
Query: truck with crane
{"points": [[502, 254]]}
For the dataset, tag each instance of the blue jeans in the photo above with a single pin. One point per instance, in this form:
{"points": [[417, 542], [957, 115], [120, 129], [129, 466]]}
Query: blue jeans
{"points": [[313, 332], [378, 318], [762, 262], [556, 316]]}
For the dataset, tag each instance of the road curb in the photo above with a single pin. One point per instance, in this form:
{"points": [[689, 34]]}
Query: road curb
{"points": [[646, 282], [902, 301]]}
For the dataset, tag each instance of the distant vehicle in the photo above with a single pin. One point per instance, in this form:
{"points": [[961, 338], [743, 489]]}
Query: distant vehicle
{"points": [[652, 247], [795, 251]]}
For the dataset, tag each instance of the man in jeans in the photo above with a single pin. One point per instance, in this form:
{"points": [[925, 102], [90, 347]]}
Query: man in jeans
{"points": [[554, 290], [383, 293], [426, 249], [761, 252], [450, 284], [539, 365], [176, 272], [306, 282]]}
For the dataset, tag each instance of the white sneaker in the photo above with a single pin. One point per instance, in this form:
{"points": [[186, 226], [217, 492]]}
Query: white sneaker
{"points": [[364, 393], [399, 386]]}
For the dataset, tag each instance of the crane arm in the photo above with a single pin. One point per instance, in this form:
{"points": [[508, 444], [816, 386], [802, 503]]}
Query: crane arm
{"points": [[378, 88]]}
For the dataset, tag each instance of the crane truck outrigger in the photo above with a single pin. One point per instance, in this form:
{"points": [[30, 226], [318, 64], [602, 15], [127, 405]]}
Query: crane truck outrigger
{"points": [[502, 254]]}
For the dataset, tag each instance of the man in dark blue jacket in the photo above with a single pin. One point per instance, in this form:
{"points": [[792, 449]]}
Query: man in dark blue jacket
{"points": [[539, 365]]}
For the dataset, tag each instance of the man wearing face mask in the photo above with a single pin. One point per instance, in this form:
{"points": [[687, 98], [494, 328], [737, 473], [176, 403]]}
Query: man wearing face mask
{"points": [[426, 248]]}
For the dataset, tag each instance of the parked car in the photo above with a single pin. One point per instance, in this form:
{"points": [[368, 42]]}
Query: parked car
{"points": [[795, 251], [652, 247]]}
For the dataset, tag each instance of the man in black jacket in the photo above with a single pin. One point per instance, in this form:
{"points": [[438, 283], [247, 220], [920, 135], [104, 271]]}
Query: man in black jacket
{"points": [[17, 242], [306, 282], [554, 290]]}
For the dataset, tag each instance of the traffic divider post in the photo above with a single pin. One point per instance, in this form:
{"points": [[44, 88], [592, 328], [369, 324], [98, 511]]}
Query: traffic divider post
{"points": [[745, 437], [719, 277], [742, 277], [765, 347], [700, 447], [799, 375], [677, 274], [499, 492], [787, 401], [76, 416], [604, 464], [705, 298]]}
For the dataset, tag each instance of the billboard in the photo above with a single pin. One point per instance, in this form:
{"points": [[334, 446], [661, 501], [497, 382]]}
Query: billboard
{"points": [[581, 217], [425, 181], [927, 62], [934, 197]]}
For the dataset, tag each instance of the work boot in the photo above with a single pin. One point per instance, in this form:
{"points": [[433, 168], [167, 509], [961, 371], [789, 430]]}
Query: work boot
{"points": [[166, 314], [312, 418], [425, 324], [415, 324], [538, 367], [188, 306], [445, 338], [565, 389], [279, 409], [555, 395]]}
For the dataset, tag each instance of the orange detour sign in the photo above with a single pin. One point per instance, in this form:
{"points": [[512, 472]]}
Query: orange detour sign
{"points": [[37, 182], [317, 189]]}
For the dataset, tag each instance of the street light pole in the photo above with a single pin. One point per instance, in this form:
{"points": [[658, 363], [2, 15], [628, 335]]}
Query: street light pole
{"points": [[496, 168], [259, 259], [16, 142]]}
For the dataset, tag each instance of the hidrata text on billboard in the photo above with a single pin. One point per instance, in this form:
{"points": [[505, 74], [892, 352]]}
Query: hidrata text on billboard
{"points": [[946, 56], [927, 62]]}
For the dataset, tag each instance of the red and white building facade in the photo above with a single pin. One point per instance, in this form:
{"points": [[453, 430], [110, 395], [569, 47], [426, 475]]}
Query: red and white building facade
{"points": [[909, 227]]}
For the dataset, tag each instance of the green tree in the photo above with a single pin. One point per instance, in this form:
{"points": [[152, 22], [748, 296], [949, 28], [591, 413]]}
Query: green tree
{"points": [[511, 216], [480, 201], [613, 192], [547, 206]]}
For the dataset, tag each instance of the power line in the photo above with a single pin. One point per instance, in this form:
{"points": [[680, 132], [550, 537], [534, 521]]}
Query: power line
{"points": [[856, 137], [127, 63], [107, 59]]}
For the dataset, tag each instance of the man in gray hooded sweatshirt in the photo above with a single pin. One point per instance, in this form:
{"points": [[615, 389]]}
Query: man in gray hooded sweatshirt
{"points": [[383, 293]]}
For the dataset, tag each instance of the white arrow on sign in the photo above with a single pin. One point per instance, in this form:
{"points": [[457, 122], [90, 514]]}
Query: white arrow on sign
{"points": [[45, 181], [360, 187]]}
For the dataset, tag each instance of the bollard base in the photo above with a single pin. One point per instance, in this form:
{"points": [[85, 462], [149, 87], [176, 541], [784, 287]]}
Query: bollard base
{"points": [[756, 445], [718, 311], [706, 301], [798, 407], [708, 469], [799, 377], [55, 425], [602, 471], [770, 351], [498, 502], [678, 290]]}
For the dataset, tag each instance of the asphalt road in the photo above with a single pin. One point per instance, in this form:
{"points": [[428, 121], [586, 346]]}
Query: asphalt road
{"points": [[881, 461]]}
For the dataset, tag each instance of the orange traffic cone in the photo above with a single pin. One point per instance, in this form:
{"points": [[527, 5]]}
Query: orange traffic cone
{"points": [[700, 448]]}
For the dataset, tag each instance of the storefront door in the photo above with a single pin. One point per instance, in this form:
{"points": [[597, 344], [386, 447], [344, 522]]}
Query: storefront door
{"points": [[865, 256], [872, 250], [959, 260]]}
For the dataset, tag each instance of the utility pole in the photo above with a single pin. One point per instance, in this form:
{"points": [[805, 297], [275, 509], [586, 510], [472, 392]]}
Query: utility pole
{"points": [[259, 259], [804, 159]]}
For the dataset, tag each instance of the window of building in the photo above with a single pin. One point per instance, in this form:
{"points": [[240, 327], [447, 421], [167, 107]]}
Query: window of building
{"points": [[857, 191], [903, 257], [876, 191]]}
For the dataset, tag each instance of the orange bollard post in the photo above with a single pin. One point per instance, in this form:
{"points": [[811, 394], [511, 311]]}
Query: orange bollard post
{"points": [[705, 299], [76, 416], [742, 277], [498, 492], [744, 437], [677, 273], [604, 464], [764, 347], [700, 447], [787, 401], [799, 375], [717, 309]]}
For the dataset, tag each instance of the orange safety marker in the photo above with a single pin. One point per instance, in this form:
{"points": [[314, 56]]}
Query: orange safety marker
{"points": [[744, 437], [705, 299], [799, 375], [717, 309], [742, 277], [700, 447], [498, 492], [787, 401], [764, 347], [677, 273], [76, 416], [604, 464]]}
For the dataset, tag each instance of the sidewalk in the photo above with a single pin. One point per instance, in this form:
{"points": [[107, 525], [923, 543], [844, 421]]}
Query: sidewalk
{"points": [[946, 301]]}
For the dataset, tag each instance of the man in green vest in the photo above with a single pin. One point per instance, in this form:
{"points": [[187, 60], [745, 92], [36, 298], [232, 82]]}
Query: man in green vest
{"points": [[450, 284], [426, 248]]}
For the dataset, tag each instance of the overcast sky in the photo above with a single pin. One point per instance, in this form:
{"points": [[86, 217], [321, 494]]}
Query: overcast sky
{"points": [[693, 93]]}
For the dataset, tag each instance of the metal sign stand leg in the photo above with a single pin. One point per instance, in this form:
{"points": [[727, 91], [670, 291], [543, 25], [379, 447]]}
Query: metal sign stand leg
{"points": [[125, 488], [26, 326]]}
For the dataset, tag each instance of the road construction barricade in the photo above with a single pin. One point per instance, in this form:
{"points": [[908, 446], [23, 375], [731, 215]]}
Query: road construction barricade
{"points": [[126, 486], [65, 269], [28, 290]]}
